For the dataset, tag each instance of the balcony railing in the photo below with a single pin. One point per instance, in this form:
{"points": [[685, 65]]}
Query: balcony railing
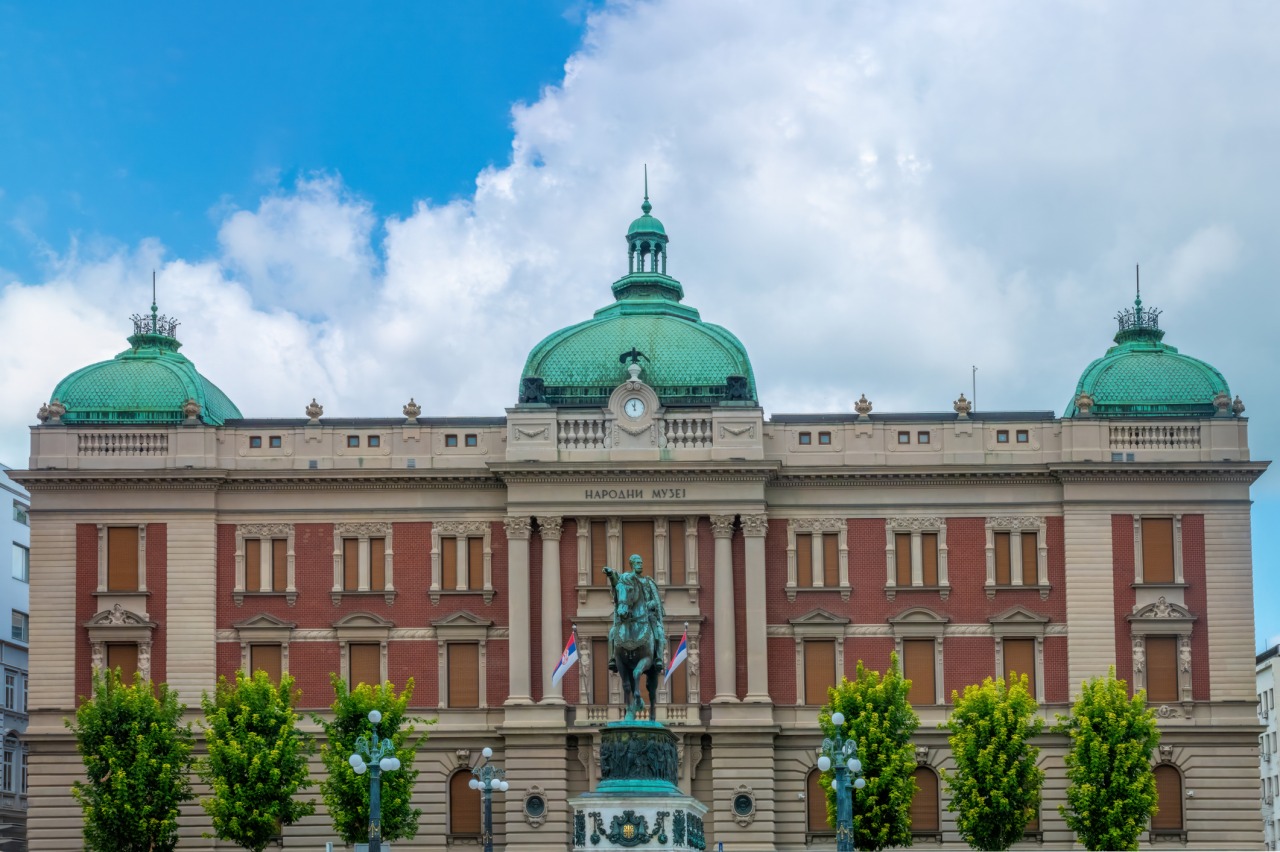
{"points": [[122, 443], [1157, 437]]}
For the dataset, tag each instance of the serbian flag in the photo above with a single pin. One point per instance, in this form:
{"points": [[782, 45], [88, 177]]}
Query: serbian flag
{"points": [[682, 652], [567, 659]]}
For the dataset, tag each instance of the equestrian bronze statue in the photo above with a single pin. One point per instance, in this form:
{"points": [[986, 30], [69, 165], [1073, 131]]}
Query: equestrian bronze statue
{"points": [[637, 636]]}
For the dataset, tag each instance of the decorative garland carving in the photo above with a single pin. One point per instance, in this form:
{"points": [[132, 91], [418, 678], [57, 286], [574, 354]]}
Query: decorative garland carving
{"points": [[265, 530], [362, 529], [118, 616], [811, 525], [1014, 522], [919, 523], [462, 528]]}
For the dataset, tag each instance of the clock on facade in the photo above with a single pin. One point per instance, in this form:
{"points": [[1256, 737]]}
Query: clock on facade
{"points": [[634, 407]]}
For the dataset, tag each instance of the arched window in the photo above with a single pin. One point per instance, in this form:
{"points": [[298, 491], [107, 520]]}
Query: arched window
{"points": [[925, 805], [464, 805], [816, 799], [1168, 799]]}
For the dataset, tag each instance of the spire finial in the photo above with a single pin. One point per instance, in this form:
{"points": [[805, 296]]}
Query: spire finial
{"points": [[155, 312], [1137, 281], [646, 206]]}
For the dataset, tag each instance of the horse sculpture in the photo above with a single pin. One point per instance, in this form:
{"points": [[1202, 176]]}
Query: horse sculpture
{"points": [[636, 650]]}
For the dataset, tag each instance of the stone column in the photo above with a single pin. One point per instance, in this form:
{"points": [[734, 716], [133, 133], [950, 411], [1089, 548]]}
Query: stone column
{"points": [[519, 643], [754, 529], [552, 640], [726, 636]]}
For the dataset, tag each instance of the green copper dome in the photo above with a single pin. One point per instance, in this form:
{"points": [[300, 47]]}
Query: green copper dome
{"points": [[1141, 376], [148, 383], [685, 360]]}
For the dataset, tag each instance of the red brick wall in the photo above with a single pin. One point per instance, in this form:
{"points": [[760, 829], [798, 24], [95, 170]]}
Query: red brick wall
{"points": [[706, 603], [966, 660], [157, 569], [782, 669], [1193, 571], [417, 659], [873, 651], [1122, 568], [1056, 683], [310, 663], [569, 685]]}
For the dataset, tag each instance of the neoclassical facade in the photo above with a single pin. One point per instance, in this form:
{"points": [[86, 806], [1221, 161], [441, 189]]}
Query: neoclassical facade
{"points": [[173, 535]]}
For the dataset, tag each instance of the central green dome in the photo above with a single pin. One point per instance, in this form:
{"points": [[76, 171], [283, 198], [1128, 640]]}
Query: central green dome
{"points": [[685, 360]]}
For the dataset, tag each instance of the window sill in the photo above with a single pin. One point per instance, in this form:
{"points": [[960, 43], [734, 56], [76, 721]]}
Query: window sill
{"points": [[935, 836], [436, 594], [143, 593], [1042, 589], [290, 597], [1159, 585], [891, 592], [845, 591], [1168, 835], [389, 595]]}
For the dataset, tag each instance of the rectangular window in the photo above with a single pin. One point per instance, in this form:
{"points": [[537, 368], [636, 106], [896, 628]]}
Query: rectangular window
{"points": [[929, 557], [599, 553], [1157, 550], [675, 554], [473, 440], [451, 440], [279, 564], [255, 442], [377, 563], [599, 671], [804, 560], [365, 663], [1002, 436], [918, 667], [922, 437], [819, 670], [449, 563], [464, 674], [23, 759], [904, 437], [475, 564], [1162, 669], [122, 559], [123, 656], [637, 538], [276, 442], [806, 438], [1020, 659], [902, 558], [831, 560], [1003, 563], [1023, 436], [20, 629], [824, 438], [679, 683], [350, 564], [1030, 559], [252, 565], [21, 514], [266, 658], [374, 441], [353, 440], [21, 563], [9, 770], [10, 691]]}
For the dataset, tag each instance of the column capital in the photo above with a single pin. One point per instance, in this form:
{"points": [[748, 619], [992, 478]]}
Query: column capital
{"points": [[550, 527], [755, 525], [518, 527], [722, 526]]}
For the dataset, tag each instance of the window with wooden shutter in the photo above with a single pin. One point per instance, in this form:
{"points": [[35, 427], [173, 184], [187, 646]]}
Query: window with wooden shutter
{"points": [[1020, 659], [599, 671], [676, 553], [1162, 669], [377, 563], [804, 560], [464, 805], [1003, 569], [918, 667], [253, 565], [350, 564], [902, 558], [1033, 824], [1168, 799], [929, 557], [475, 564], [599, 553], [123, 656], [819, 670], [637, 538], [1030, 559], [265, 658], [925, 804], [1157, 550], [464, 674], [365, 663], [122, 559], [279, 564], [831, 560], [449, 563], [816, 801], [679, 683]]}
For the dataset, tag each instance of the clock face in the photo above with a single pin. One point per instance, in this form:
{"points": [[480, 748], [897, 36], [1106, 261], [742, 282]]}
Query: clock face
{"points": [[634, 407]]}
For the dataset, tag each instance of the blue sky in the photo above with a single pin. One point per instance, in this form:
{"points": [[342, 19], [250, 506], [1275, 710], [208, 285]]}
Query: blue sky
{"points": [[362, 203]]}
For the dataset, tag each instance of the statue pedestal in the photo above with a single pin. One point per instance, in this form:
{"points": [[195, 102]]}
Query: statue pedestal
{"points": [[637, 803]]}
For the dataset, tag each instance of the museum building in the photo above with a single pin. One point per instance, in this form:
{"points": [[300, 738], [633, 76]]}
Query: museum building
{"points": [[172, 535]]}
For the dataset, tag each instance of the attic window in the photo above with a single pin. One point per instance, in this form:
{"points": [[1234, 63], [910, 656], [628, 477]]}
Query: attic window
{"points": [[1002, 436], [375, 440], [451, 440], [472, 440], [824, 437], [806, 438], [353, 440], [275, 442], [1023, 436], [255, 442]]}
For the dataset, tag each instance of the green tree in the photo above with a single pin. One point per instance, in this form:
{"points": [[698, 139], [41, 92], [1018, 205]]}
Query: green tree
{"points": [[995, 788], [137, 762], [257, 760], [882, 723], [1111, 790], [346, 794]]}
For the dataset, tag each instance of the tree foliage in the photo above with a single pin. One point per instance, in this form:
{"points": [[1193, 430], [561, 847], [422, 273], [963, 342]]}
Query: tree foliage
{"points": [[256, 762], [1111, 791], [995, 788], [346, 794], [882, 723], [137, 761]]}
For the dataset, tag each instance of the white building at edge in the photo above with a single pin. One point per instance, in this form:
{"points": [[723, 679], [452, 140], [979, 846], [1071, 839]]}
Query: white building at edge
{"points": [[15, 598]]}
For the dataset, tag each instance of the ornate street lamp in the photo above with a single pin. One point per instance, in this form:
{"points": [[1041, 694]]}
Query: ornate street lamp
{"points": [[488, 778], [380, 754], [843, 754]]}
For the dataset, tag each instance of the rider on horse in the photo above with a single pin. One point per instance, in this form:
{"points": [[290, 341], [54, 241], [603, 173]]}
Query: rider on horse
{"points": [[651, 601]]}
